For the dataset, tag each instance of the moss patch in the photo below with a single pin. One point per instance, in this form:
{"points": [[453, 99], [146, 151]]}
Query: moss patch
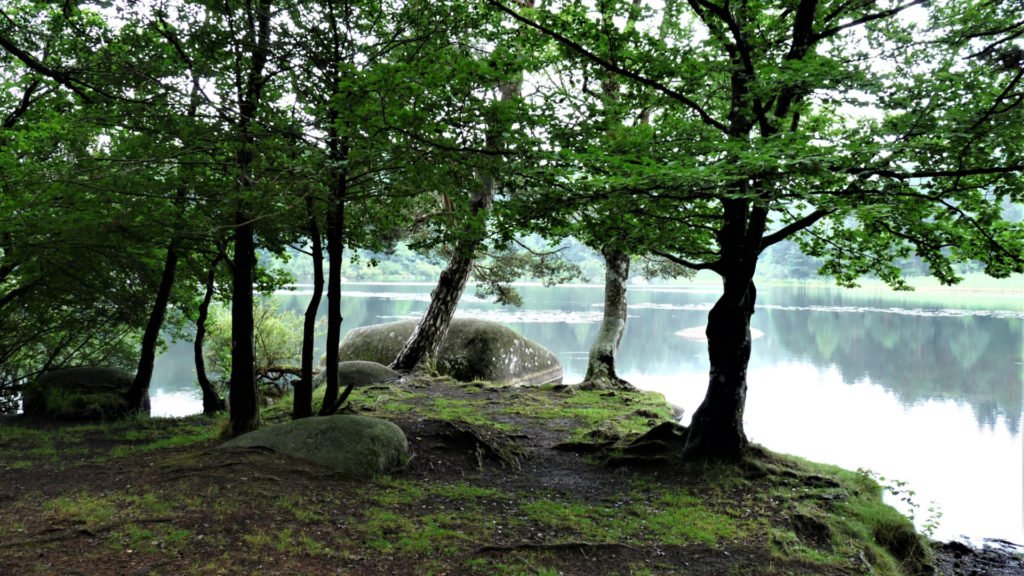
{"points": [[150, 495]]}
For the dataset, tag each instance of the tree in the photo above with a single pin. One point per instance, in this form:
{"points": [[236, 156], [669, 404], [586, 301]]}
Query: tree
{"points": [[821, 121], [483, 132], [77, 271], [348, 57]]}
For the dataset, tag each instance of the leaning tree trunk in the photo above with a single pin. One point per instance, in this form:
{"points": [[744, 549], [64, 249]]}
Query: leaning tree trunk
{"points": [[138, 394], [601, 366], [303, 396], [212, 402], [716, 431], [426, 338]]}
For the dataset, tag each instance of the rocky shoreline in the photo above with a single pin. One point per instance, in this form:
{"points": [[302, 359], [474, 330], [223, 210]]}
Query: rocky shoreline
{"points": [[994, 557]]}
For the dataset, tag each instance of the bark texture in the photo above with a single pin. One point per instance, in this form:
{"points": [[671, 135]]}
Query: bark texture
{"points": [[433, 327], [335, 253], [601, 365], [716, 431], [244, 396]]}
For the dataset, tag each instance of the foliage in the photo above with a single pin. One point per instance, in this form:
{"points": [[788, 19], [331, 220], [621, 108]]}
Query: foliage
{"points": [[496, 274], [900, 490], [880, 137], [278, 339]]}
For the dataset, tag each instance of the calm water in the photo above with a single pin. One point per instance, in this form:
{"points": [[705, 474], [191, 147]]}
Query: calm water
{"points": [[915, 387]]}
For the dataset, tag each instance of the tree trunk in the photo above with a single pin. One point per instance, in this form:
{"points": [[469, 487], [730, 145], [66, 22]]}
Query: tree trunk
{"points": [[243, 401], [212, 402], [138, 394], [601, 366], [716, 431], [335, 254], [426, 338], [243, 398], [303, 396]]}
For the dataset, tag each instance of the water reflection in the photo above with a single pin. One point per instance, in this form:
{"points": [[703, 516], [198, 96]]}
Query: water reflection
{"points": [[915, 387], [971, 359], [919, 353]]}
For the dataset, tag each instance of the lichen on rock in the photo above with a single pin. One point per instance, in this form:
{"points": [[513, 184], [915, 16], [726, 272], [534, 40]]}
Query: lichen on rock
{"points": [[472, 350]]}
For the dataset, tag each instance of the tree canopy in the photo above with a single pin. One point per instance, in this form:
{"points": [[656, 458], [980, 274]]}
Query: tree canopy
{"points": [[138, 140]]}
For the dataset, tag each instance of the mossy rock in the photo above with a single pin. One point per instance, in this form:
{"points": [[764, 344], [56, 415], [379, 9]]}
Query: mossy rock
{"points": [[360, 373], [81, 393], [355, 446], [472, 350]]}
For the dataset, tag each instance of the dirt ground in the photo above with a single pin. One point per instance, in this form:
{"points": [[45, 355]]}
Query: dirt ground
{"points": [[110, 501]]}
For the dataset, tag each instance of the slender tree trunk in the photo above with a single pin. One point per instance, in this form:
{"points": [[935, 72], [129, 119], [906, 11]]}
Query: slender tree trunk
{"points": [[244, 396], [212, 402], [716, 431], [243, 402], [601, 365], [138, 394], [335, 255], [303, 396]]}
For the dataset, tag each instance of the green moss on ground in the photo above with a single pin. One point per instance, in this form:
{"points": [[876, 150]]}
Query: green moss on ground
{"points": [[148, 495]]}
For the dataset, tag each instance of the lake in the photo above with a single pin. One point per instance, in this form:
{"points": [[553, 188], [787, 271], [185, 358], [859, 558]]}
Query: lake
{"points": [[923, 388]]}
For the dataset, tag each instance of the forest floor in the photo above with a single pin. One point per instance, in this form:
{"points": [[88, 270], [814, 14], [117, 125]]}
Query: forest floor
{"points": [[486, 492]]}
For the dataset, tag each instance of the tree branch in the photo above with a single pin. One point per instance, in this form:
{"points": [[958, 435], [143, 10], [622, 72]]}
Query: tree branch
{"points": [[792, 228], [688, 264], [888, 173], [613, 67], [829, 32], [37, 66]]}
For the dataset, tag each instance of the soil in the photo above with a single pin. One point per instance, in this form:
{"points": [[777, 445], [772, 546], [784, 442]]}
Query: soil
{"points": [[193, 509]]}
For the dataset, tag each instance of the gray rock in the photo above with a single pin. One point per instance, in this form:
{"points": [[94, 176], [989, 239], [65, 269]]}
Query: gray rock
{"points": [[356, 446], [472, 350], [86, 393], [360, 373]]}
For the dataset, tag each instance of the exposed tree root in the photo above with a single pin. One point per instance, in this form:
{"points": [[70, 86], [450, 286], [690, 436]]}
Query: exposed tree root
{"points": [[661, 445], [606, 383], [485, 445]]}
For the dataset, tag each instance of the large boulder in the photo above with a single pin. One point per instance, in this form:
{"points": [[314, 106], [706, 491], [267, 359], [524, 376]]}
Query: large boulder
{"points": [[360, 373], [472, 350], [356, 446], [83, 393]]}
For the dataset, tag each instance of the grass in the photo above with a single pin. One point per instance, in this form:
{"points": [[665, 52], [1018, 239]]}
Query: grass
{"points": [[767, 504], [617, 412]]}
